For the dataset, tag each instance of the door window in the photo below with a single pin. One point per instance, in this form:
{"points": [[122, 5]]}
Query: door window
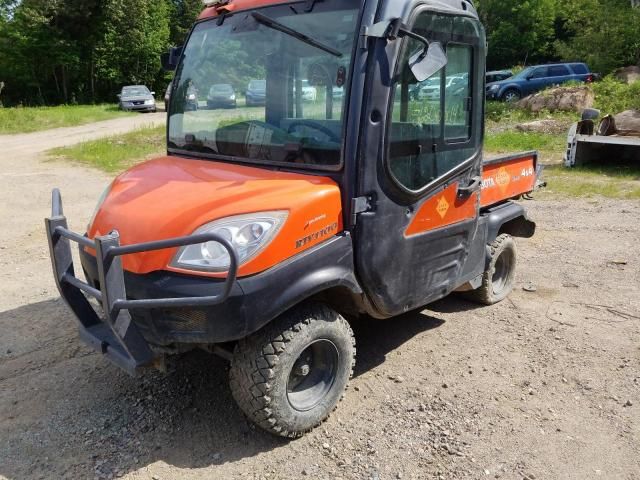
{"points": [[430, 132], [539, 73]]}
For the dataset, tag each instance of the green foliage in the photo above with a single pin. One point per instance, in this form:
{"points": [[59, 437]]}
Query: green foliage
{"points": [[133, 40], [518, 32], [604, 33], [114, 154], [69, 51], [613, 96], [31, 119]]}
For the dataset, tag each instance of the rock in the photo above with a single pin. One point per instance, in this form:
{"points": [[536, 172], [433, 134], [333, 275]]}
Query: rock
{"points": [[628, 404], [543, 126], [564, 99], [628, 74], [628, 123]]}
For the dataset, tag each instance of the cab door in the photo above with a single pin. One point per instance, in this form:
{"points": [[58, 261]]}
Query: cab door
{"points": [[419, 167]]}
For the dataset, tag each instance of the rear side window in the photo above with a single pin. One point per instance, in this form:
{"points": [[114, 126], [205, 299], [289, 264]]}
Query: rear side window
{"points": [[558, 71], [579, 69]]}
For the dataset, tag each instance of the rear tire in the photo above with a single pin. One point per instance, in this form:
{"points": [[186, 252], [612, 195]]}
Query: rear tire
{"points": [[498, 279], [288, 377]]}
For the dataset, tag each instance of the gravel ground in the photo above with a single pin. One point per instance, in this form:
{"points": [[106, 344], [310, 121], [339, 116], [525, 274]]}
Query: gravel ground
{"points": [[544, 385]]}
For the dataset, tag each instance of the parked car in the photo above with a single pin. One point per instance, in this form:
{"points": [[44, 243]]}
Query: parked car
{"points": [[191, 102], [309, 92], [138, 98], [256, 93], [497, 75], [221, 95], [430, 88], [167, 94], [535, 78]]}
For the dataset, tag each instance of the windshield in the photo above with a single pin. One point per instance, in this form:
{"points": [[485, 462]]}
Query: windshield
{"points": [[295, 55], [131, 91]]}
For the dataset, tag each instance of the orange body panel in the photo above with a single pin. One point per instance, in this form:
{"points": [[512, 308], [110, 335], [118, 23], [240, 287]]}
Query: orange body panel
{"points": [[442, 209], [236, 5], [508, 179], [171, 197]]}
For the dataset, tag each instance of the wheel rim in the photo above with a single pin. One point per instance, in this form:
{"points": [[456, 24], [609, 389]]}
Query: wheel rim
{"points": [[313, 374], [501, 273], [511, 97]]}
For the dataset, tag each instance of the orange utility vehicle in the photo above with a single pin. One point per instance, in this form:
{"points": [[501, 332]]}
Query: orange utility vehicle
{"points": [[356, 188]]}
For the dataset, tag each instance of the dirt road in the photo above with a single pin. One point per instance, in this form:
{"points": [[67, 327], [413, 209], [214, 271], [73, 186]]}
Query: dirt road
{"points": [[543, 385]]}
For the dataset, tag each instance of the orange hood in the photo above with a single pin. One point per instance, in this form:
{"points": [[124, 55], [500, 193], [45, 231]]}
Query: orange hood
{"points": [[171, 197]]}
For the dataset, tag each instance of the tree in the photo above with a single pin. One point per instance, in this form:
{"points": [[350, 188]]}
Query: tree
{"points": [[604, 33], [518, 32], [135, 34]]}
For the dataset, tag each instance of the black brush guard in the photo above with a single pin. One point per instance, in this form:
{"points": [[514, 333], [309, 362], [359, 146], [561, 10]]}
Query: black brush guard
{"points": [[114, 334]]}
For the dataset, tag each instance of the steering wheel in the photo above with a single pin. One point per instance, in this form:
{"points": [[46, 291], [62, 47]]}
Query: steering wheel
{"points": [[316, 126]]}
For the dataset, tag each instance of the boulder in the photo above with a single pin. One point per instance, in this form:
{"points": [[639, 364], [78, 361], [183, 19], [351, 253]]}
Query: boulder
{"points": [[628, 74], [543, 126], [564, 99], [628, 123]]}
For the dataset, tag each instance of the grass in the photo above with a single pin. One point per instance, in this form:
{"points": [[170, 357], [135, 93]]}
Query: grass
{"points": [[32, 119], [115, 153], [514, 141], [607, 181]]}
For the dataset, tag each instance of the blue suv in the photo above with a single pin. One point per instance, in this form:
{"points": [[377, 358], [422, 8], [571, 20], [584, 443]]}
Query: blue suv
{"points": [[535, 78]]}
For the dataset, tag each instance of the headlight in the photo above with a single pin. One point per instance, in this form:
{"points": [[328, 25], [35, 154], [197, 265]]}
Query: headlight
{"points": [[101, 200], [191, 96], [248, 234], [494, 88], [232, 97], [149, 102]]}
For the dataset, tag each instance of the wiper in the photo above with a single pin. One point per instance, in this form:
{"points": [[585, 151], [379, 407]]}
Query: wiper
{"points": [[271, 23]]}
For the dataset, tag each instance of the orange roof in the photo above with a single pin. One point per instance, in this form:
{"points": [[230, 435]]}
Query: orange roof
{"points": [[235, 6]]}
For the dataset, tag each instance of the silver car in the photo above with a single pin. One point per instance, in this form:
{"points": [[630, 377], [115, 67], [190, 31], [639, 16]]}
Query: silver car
{"points": [[138, 98]]}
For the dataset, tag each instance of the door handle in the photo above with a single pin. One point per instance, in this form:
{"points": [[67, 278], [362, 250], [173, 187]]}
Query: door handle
{"points": [[472, 186]]}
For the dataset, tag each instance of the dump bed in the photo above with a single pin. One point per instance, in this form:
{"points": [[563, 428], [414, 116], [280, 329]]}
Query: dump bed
{"points": [[508, 177]]}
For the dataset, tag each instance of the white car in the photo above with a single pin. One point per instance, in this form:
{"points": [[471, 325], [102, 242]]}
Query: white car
{"points": [[309, 93]]}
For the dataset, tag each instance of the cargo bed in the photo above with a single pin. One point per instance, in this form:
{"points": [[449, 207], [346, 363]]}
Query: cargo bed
{"points": [[507, 177]]}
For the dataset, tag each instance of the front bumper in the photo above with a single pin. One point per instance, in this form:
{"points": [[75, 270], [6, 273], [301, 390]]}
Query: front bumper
{"points": [[164, 308], [139, 108], [112, 331]]}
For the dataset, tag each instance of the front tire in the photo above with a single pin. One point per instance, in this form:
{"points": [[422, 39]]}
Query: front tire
{"points": [[288, 377], [499, 277], [511, 96]]}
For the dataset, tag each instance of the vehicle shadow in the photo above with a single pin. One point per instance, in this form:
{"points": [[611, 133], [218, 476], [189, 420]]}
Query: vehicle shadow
{"points": [[376, 338], [454, 303], [65, 412]]}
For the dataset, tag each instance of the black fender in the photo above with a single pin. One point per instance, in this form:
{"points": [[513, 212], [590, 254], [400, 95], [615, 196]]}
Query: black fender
{"points": [[325, 267], [508, 217]]}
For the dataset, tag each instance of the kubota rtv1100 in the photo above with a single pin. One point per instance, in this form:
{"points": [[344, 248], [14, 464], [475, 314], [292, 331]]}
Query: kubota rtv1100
{"points": [[356, 187]]}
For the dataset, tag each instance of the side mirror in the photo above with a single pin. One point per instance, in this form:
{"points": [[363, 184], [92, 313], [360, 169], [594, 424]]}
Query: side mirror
{"points": [[426, 62], [590, 114], [152, 93], [170, 59]]}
